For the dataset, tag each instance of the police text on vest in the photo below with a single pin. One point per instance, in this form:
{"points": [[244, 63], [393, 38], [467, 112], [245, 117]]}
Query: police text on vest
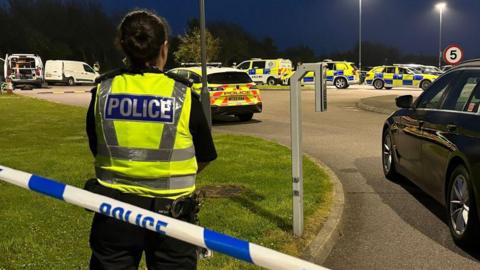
{"points": [[140, 108]]}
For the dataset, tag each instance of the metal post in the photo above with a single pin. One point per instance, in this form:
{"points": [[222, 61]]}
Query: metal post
{"points": [[440, 40], [205, 95], [360, 35], [296, 133], [297, 160]]}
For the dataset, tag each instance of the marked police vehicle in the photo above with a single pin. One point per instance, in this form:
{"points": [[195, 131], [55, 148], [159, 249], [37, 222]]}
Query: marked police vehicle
{"points": [[266, 71], [24, 69], [341, 74], [69, 72], [232, 91], [398, 76]]}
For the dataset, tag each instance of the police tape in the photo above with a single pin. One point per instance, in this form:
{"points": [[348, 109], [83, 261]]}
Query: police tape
{"points": [[181, 230]]}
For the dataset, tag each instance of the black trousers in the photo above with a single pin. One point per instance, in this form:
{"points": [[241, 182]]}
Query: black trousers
{"points": [[119, 245]]}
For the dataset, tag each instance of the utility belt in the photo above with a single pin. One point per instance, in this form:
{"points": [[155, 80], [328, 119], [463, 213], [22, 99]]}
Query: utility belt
{"points": [[185, 208]]}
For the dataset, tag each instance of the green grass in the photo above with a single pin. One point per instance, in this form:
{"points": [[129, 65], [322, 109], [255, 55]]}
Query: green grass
{"points": [[37, 232]]}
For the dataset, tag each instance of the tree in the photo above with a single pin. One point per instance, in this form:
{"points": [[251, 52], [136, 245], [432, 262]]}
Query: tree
{"points": [[189, 48]]}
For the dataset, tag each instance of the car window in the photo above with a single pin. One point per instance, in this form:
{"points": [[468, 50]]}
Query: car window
{"points": [[195, 78], [402, 71], [433, 97], [474, 103], [389, 70], [245, 65], [458, 98], [229, 78], [331, 66], [87, 68], [183, 73], [258, 64]]}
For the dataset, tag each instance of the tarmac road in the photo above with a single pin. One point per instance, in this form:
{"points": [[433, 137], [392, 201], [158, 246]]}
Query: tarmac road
{"points": [[386, 225]]}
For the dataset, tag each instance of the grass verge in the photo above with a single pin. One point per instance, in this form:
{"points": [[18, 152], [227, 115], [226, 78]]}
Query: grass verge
{"points": [[48, 139]]}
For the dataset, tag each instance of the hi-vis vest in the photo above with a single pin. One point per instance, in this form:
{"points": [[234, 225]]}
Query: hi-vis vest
{"points": [[144, 145]]}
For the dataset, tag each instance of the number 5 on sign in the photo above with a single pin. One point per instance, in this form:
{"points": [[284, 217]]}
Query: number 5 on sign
{"points": [[453, 55]]}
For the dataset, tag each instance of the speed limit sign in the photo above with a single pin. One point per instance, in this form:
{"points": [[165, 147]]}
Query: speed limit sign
{"points": [[453, 55]]}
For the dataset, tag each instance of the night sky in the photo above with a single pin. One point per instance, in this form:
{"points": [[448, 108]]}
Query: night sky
{"points": [[332, 25]]}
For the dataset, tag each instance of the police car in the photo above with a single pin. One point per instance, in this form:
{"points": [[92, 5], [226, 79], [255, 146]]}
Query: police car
{"points": [[232, 91], [397, 76], [342, 74], [266, 71]]}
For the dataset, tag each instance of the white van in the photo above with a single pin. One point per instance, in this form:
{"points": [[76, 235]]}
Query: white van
{"points": [[266, 71], [69, 72], [24, 69]]}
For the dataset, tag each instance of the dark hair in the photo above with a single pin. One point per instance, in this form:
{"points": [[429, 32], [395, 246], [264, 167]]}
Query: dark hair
{"points": [[140, 35]]}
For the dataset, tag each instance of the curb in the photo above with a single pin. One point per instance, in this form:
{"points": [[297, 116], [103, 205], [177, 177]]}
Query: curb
{"points": [[370, 108], [321, 246], [64, 92]]}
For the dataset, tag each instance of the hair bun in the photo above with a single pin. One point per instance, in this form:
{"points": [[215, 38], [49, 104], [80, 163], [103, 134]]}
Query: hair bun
{"points": [[141, 35]]}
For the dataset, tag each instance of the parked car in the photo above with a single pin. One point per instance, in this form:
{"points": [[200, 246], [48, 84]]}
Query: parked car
{"points": [[398, 76], [435, 142], [69, 72], [24, 69], [232, 91]]}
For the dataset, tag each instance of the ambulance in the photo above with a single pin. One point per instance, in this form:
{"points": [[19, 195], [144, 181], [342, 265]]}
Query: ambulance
{"points": [[232, 91], [266, 71], [341, 74], [396, 76]]}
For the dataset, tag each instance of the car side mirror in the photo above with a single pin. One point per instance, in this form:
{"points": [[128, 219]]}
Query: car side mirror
{"points": [[404, 102]]}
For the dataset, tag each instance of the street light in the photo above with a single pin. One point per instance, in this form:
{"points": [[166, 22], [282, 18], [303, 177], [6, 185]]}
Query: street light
{"points": [[360, 35], [440, 7]]}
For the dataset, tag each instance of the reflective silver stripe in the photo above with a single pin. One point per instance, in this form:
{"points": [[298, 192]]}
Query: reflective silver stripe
{"points": [[165, 183], [170, 130], [139, 154], [107, 125]]}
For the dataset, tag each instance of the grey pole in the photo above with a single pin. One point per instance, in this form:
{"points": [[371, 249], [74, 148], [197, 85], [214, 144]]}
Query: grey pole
{"points": [[360, 35], [297, 160], [205, 95], [440, 40], [296, 133]]}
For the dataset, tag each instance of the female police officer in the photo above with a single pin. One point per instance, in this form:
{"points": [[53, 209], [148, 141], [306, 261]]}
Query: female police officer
{"points": [[147, 132]]}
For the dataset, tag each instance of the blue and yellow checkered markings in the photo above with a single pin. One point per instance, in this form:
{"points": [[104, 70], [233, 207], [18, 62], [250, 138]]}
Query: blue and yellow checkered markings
{"points": [[331, 78], [259, 71], [417, 77]]}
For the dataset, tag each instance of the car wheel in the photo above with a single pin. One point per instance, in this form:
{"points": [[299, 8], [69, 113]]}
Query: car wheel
{"points": [[271, 81], [341, 83], [70, 81], [378, 84], [245, 116], [388, 159], [388, 88], [461, 208], [425, 85]]}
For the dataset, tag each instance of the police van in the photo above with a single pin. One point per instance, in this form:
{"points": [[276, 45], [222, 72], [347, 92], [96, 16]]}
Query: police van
{"points": [[341, 74], [69, 72], [232, 91], [24, 69], [266, 71]]}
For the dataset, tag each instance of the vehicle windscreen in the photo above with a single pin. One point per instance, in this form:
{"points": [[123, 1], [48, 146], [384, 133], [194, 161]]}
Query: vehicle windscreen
{"points": [[229, 78]]}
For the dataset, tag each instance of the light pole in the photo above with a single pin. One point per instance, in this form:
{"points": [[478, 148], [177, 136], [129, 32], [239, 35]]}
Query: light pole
{"points": [[440, 7], [360, 35]]}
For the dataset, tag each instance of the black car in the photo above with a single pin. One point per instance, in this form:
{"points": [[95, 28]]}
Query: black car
{"points": [[435, 142]]}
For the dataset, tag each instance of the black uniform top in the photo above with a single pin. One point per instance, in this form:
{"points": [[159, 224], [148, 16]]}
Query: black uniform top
{"points": [[202, 137]]}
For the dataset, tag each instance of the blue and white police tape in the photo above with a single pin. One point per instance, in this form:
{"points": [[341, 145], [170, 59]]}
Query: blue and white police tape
{"points": [[184, 231]]}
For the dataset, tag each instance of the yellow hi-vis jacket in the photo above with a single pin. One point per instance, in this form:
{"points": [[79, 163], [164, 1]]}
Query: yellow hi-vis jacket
{"points": [[143, 138]]}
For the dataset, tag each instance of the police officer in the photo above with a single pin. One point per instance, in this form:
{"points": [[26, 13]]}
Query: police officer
{"points": [[150, 138]]}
